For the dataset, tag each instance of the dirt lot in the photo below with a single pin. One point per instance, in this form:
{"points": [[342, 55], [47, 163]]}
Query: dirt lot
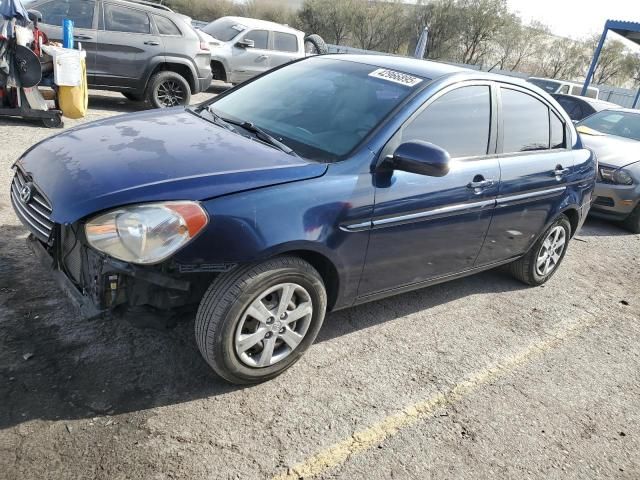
{"points": [[478, 378]]}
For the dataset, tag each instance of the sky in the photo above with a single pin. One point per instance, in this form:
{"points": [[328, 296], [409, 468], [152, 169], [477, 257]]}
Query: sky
{"points": [[576, 18]]}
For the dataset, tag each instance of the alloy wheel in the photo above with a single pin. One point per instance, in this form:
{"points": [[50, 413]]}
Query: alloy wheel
{"points": [[273, 325], [170, 93], [551, 251]]}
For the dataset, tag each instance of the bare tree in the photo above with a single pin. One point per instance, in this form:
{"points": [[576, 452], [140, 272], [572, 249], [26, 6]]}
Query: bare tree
{"points": [[610, 62], [480, 22], [272, 10], [563, 58], [515, 44], [329, 18]]}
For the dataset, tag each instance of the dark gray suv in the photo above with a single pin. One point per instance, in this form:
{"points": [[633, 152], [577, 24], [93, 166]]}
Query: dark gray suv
{"points": [[142, 49]]}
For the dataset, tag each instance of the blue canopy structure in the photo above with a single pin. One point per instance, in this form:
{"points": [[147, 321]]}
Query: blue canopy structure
{"points": [[628, 30]]}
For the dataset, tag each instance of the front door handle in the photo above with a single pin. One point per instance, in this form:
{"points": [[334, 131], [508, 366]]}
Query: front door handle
{"points": [[479, 183], [559, 171], [152, 42], [82, 37], [263, 57]]}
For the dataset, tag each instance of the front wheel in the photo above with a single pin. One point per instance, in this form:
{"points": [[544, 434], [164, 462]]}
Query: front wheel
{"points": [[255, 322], [632, 222], [544, 258]]}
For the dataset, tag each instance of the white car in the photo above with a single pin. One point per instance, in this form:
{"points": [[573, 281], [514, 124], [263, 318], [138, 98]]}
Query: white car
{"points": [[242, 48]]}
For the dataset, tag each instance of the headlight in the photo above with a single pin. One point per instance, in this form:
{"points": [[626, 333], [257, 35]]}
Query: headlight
{"points": [[618, 176], [147, 233]]}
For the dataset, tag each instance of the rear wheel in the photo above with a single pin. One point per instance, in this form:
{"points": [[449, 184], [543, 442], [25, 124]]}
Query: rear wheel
{"points": [[255, 322], [544, 258], [168, 89], [632, 222]]}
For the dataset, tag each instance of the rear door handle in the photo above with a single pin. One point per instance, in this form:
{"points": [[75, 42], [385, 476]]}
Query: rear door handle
{"points": [[151, 42], [82, 37], [559, 171]]}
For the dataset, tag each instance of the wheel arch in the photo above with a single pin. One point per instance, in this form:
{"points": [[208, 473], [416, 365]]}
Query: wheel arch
{"points": [[218, 64], [181, 67], [573, 214]]}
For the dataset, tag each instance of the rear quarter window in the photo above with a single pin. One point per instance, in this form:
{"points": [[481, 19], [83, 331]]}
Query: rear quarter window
{"points": [[166, 26]]}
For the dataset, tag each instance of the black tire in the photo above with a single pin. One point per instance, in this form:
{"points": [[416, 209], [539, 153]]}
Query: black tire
{"points": [[133, 97], [632, 222], [168, 89], [222, 307], [524, 269], [318, 43], [218, 71], [53, 122]]}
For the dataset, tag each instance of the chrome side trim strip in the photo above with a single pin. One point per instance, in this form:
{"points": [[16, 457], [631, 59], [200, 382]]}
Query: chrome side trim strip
{"points": [[356, 227], [526, 196], [456, 209]]}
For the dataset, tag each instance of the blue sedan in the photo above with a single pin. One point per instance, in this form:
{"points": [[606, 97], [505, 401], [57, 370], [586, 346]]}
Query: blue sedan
{"points": [[329, 182]]}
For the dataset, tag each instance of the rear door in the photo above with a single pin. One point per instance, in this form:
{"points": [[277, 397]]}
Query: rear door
{"points": [[84, 16], [126, 45], [427, 227], [284, 48], [535, 165], [248, 62]]}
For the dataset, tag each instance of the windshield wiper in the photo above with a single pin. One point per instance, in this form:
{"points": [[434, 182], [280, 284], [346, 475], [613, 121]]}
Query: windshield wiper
{"points": [[259, 133], [216, 119]]}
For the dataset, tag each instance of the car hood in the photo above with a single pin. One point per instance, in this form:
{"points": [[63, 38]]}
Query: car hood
{"points": [[156, 155], [610, 149]]}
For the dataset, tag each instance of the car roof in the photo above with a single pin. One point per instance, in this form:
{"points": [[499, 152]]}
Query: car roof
{"points": [[255, 23], [591, 101], [428, 68]]}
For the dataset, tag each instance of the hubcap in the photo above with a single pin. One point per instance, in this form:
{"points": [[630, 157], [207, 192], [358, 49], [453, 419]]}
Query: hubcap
{"points": [[170, 93], [273, 325], [551, 251]]}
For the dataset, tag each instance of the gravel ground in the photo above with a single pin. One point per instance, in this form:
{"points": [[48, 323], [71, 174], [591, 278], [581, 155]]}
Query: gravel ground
{"points": [[477, 378]]}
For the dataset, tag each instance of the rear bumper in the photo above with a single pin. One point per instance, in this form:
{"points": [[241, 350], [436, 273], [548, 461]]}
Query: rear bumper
{"points": [[203, 84], [83, 303]]}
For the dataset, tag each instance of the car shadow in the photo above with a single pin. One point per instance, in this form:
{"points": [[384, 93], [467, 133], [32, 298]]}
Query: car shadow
{"points": [[55, 366], [597, 227]]}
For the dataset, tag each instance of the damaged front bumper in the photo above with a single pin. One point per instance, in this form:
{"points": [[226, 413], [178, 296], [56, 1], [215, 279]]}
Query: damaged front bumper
{"points": [[97, 284]]}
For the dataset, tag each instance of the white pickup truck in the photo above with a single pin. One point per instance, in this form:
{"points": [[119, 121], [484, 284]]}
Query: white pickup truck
{"points": [[242, 48]]}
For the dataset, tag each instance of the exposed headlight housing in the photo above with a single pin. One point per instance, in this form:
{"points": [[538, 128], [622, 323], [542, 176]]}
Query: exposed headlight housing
{"points": [[618, 176], [146, 233]]}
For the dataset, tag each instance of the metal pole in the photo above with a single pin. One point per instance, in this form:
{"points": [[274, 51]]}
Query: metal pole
{"points": [[594, 62], [421, 47], [635, 102]]}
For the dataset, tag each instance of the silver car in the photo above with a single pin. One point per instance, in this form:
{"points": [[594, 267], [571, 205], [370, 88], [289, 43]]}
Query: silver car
{"points": [[242, 48], [614, 135]]}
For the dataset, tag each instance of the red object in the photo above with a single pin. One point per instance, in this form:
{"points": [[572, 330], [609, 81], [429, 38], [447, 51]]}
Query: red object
{"points": [[37, 35]]}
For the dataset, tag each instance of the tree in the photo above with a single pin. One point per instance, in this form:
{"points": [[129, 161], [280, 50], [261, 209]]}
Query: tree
{"points": [[205, 10], [330, 19], [271, 10], [515, 44], [563, 58], [610, 62], [441, 17], [480, 22], [378, 25]]}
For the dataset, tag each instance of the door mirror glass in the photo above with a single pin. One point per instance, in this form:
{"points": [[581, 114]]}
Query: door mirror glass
{"points": [[246, 43], [420, 157]]}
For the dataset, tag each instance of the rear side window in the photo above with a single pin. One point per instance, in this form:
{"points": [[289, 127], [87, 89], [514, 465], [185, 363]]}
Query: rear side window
{"points": [[458, 121], [123, 19], [525, 122], [285, 42], [80, 11], [166, 26], [260, 38], [557, 132]]}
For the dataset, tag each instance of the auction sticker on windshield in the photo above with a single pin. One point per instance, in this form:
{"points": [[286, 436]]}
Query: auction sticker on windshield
{"points": [[396, 77]]}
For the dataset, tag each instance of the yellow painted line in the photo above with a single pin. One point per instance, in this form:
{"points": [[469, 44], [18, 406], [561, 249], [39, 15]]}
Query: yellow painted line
{"points": [[336, 454]]}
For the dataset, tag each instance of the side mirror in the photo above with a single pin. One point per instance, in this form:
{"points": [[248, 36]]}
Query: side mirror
{"points": [[35, 16], [420, 157], [246, 43]]}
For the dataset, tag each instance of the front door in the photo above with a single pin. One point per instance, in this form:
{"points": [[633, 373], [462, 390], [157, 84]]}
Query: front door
{"points": [[247, 62], [126, 44], [535, 165], [83, 14], [427, 227]]}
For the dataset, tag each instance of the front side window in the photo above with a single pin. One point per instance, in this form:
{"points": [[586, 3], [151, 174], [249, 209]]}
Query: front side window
{"points": [[320, 107], [285, 42], [166, 26], [123, 19], [458, 121], [260, 38], [525, 121], [80, 11]]}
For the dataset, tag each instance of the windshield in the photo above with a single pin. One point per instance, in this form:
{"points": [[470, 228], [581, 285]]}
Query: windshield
{"points": [[320, 107], [224, 29], [621, 124], [547, 85]]}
